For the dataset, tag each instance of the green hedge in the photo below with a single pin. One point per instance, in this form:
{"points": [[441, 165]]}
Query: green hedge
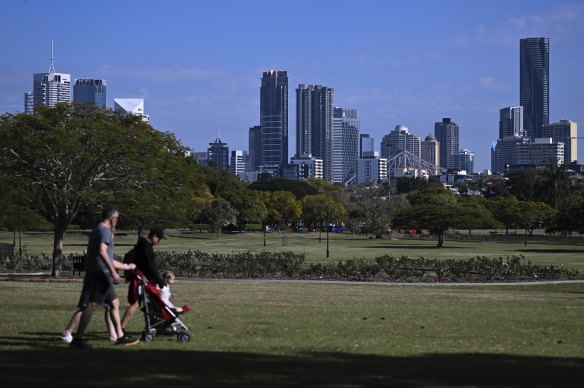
{"points": [[290, 265]]}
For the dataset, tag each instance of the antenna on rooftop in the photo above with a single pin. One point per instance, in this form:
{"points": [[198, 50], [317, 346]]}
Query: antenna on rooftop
{"points": [[52, 66]]}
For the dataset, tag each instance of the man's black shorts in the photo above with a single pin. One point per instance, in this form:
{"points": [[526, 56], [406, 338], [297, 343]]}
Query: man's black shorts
{"points": [[100, 288]]}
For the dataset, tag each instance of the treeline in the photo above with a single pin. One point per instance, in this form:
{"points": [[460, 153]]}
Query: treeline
{"points": [[60, 166]]}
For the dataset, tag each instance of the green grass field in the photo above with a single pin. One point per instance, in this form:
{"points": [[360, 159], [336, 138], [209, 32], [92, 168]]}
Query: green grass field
{"points": [[341, 246], [294, 334]]}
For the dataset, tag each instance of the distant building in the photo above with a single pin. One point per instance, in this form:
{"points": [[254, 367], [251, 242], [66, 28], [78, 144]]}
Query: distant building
{"points": [[372, 169], [541, 152], [305, 166], [133, 106], [90, 91], [400, 140], [430, 150], [314, 124], [511, 122], [239, 162], [505, 153], [366, 144], [218, 155], [255, 147], [447, 134], [534, 83], [274, 118], [345, 144], [200, 157], [52, 88], [28, 102], [464, 160], [564, 131]]}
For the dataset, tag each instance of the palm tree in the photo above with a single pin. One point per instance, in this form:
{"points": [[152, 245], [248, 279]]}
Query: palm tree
{"points": [[554, 184]]}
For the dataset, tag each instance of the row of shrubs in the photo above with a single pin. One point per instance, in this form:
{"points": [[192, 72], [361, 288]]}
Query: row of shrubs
{"points": [[290, 265]]}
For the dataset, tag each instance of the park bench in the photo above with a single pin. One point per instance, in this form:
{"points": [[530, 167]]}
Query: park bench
{"points": [[78, 264]]}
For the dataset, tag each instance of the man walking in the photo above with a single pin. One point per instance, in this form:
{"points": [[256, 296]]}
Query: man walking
{"points": [[101, 275]]}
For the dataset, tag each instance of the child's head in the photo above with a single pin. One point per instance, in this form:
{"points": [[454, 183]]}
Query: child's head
{"points": [[168, 277]]}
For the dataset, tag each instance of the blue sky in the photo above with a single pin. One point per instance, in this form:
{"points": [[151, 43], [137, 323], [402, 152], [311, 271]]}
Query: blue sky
{"points": [[198, 64]]}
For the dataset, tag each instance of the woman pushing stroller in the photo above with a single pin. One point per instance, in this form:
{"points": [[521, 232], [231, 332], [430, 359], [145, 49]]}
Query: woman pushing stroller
{"points": [[144, 258]]}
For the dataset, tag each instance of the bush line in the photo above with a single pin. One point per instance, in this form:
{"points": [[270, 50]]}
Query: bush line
{"points": [[290, 265]]}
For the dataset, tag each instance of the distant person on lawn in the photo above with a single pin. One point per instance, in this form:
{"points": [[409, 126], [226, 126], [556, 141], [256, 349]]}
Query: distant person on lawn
{"points": [[101, 275], [145, 260]]}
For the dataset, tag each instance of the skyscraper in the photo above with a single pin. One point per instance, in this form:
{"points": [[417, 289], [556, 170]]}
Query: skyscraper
{"points": [[90, 91], [274, 118], [534, 84], [314, 124], [52, 88], [430, 150], [511, 122], [255, 147], [345, 144], [399, 140], [218, 155], [447, 134]]}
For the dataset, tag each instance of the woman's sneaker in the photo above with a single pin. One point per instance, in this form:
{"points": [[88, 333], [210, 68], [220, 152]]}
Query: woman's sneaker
{"points": [[80, 343], [127, 341]]}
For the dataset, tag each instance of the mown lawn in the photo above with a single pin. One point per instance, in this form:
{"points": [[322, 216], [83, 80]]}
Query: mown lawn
{"points": [[341, 246], [295, 334]]}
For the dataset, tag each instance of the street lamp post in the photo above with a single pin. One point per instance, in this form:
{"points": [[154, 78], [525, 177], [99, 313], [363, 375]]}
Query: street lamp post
{"points": [[327, 232]]}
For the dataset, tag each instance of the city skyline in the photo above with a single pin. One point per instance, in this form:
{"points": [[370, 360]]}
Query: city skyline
{"points": [[394, 64]]}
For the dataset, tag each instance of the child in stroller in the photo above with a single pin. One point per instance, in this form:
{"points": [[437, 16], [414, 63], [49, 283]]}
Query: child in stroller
{"points": [[158, 315]]}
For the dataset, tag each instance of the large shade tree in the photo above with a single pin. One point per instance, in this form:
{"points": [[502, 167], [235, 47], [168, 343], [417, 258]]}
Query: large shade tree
{"points": [[74, 154]]}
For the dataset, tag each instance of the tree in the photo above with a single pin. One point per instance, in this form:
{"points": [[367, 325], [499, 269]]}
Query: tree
{"points": [[435, 209], [554, 185], [569, 218], [321, 209], [475, 215], [505, 210], [219, 214], [282, 207], [249, 206], [70, 155], [299, 188], [534, 214], [376, 207], [522, 184]]}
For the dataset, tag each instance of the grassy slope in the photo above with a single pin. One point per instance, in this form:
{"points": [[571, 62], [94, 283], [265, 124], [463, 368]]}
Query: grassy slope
{"points": [[311, 334], [342, 247]]}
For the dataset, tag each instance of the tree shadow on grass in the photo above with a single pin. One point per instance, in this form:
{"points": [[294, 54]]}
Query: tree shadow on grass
{"points": [[545, 250], [53, 364], [414, 246]]}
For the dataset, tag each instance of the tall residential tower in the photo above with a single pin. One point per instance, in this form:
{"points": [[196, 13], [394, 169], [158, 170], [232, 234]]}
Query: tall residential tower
{"points": [[314, 124], [534, 84], [274, 118]]}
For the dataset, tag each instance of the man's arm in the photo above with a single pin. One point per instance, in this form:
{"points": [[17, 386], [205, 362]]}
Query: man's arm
{"points": [[109, 264]]}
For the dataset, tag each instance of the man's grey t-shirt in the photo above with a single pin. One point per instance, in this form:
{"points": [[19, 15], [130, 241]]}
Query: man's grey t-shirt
{"points": [[94, 262]]}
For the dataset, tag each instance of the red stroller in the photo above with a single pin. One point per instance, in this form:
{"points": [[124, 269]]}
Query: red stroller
{"points": [[157, 314]]}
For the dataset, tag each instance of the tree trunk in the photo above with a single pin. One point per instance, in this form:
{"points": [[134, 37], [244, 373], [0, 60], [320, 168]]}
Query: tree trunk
{"points": [[440, 240], [58, 235]]}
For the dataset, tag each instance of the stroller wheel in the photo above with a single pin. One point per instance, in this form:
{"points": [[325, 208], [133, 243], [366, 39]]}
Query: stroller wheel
{"points": [[147, 336], [183, 337]]}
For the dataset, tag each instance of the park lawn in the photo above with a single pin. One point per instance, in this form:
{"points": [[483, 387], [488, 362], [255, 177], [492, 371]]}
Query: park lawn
{"points": [[341, 246], [305, 334]]}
